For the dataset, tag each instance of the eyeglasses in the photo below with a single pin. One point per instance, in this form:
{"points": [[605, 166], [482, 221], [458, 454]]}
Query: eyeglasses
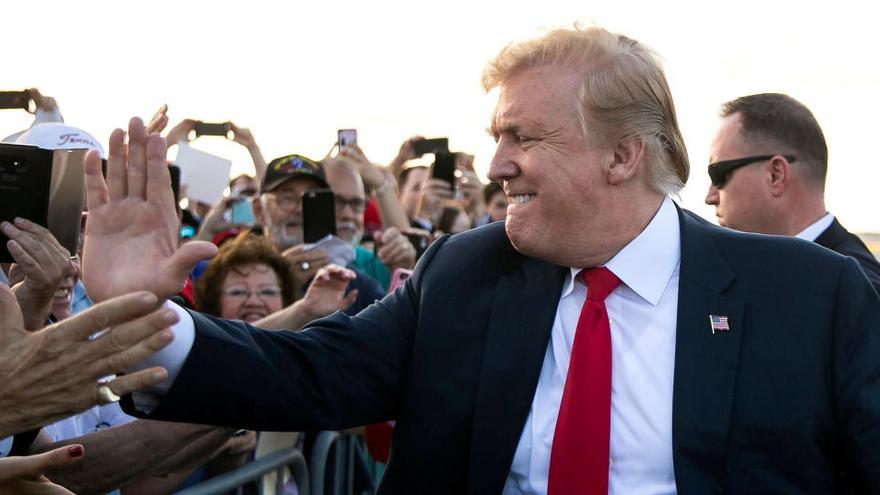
{"points": [[244, 294], [285, 200], [357, 204], [719, 172]]}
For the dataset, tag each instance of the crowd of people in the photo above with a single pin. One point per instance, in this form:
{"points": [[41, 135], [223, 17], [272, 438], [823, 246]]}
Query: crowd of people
{"points": [[563, 329]]}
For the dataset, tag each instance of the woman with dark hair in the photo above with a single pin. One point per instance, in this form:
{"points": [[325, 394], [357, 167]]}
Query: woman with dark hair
{"points": [[248, 280]]}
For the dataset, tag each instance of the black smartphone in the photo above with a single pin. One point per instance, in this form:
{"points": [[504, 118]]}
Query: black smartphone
{"points": [[346, 137], [319, 215], [15, 99], [211, 129], [45, 187], [420, 242], [434, 145], [444, 168]]}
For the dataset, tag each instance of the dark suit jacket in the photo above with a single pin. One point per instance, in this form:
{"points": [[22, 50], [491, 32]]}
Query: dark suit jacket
{"points": [[782, 403], [840, 240]]}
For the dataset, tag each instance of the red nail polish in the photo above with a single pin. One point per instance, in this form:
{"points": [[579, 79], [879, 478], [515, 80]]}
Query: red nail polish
{"points": [[75, 451]]}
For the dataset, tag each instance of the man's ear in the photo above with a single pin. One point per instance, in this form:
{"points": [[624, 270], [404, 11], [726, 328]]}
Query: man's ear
{"points": [[778, 175], [626, 159], [257, 205]]}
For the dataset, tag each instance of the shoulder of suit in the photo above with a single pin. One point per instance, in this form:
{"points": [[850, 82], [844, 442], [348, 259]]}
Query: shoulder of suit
{"points": [[760, 248]]}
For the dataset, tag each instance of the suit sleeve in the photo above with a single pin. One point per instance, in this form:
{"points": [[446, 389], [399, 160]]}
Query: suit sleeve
{"points": [[856, 354], [338, 372]]}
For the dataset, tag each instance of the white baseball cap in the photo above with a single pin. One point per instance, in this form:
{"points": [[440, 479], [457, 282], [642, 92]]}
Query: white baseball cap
{"points": [[57, 136]]}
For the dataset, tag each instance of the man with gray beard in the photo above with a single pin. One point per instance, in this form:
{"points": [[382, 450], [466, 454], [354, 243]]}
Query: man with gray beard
{"points": [[279, 211]]}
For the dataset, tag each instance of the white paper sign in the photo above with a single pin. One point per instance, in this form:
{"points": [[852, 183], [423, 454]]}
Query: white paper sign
{"points": [[204, 175]]}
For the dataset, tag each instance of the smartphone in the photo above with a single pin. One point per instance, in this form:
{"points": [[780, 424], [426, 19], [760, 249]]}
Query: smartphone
{"points": [[45, 187], [444, 168], [434, 145], [210, 129], [15, 99], [242, 212], [319, 215], [398, 278], [346, 137]]}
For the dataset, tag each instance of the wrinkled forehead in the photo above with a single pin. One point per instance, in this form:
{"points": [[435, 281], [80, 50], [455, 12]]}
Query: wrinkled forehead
{"points": [[536, 94]]}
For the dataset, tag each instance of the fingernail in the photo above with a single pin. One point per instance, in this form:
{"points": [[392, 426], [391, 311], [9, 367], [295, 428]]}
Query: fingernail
{"points": [[22, 222], [158, 376], [170, 316], [75, 451], [149, 298], [7, 228]]}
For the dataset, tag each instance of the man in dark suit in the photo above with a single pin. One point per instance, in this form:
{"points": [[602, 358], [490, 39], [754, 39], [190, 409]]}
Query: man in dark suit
{"points": [[600, 340], [769, 162]]}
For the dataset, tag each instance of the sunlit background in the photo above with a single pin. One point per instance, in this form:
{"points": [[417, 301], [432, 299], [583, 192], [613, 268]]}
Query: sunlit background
{"points": [[294, 72]]}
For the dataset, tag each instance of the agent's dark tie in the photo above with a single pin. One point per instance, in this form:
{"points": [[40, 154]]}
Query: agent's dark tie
{"points": [[580, 454]]}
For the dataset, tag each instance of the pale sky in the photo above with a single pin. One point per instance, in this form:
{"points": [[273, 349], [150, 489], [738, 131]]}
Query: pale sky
{"points": [[296, 72]]}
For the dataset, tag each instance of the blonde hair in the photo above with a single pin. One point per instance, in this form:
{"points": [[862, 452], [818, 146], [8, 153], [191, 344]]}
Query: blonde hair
{"points": [[624, 93]]}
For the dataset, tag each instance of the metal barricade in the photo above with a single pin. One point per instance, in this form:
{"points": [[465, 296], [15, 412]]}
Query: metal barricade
{"points": [[276, 462]]}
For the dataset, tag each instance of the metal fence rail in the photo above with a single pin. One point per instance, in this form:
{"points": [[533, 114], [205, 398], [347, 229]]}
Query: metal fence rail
{"points": [[275, 462]]}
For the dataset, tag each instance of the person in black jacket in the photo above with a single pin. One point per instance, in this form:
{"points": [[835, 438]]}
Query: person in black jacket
{"points": [[769, 162]]}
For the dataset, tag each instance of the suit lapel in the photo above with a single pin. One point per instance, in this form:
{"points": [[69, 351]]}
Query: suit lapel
{"points": [[705, 362], [523, 310]]}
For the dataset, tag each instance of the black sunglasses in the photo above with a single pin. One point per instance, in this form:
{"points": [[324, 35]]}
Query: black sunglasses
{"points": [[720, 171]]}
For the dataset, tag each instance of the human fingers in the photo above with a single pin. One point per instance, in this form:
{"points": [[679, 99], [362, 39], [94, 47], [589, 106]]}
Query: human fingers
{"points": [[158, 180], [348, 300], [396, 253], [128, 383], [33, 466], [104, 315], [96, 187], [159, 121], [137, 158], [117, 166], [12, 318]]}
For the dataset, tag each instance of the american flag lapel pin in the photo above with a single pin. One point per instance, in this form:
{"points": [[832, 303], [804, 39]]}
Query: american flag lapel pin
{"points": [[718, 323]]}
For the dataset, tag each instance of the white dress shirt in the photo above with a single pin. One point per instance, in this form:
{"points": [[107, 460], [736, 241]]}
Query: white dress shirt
{"points": [[642, 312], [815, 230]]}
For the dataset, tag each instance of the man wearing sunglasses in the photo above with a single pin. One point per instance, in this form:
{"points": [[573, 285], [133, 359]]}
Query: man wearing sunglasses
{"points": [[768, 165]]}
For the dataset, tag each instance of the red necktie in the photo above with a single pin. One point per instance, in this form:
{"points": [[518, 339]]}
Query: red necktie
{"points": [[580, 455]]}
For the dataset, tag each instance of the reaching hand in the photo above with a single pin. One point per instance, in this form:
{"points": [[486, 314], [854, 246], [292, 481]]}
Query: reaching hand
{"points": [[40, 265], [395, 250], [326, 295], [179, 133], [242, 136], [304, 264], [53, 373], [159, 121], [132, 231], [26, 475], [372, 175]]}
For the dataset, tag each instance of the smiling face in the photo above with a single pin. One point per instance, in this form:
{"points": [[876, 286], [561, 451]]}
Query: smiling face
{"points": [[560, 201], [250, 292]]}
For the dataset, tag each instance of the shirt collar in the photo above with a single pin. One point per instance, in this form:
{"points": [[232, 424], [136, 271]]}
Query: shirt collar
{"points": [[647, 263], [812, 232]]}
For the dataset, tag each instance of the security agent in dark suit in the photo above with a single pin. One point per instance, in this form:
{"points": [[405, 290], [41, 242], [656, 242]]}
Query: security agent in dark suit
{"points": [[769, 162], [767, 363]]}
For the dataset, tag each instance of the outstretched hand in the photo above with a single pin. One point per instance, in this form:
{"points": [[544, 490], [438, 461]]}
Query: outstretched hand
{"points": [[326, 294], [131, 238], [26, 475]]}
